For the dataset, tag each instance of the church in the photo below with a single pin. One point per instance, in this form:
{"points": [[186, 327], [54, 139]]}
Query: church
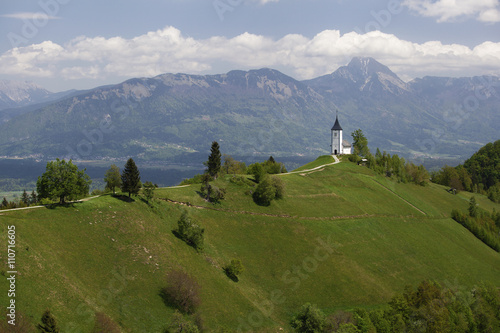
{"points": [[339, 146]]}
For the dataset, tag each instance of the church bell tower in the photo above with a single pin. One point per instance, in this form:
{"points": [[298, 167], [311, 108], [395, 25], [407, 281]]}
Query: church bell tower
{"points": [[337, 147]]}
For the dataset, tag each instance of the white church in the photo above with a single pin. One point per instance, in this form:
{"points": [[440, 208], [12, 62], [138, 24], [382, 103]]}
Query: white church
{"points": [[339, 146]]}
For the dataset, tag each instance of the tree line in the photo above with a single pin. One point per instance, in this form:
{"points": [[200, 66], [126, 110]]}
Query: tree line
{"points": [[383, 163], [428, 308], [478, 174]]}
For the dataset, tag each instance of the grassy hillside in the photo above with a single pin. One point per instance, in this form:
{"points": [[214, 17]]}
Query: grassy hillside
{"points": [[343, 237]]}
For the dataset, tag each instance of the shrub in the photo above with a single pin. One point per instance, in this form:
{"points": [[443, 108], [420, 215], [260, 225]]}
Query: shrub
{"points": [[265, 192], [190, 232], [234, 269], [279, 187], [310, 319], [104, 324], [182, 291], [180, 324]]}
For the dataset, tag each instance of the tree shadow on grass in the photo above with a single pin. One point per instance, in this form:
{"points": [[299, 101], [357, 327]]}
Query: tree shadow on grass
{"points": [[62, 205], [230, 275], [123, 198]]}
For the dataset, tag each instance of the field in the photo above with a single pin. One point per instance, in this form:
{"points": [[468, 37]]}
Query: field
{"points": [[341, 238]]}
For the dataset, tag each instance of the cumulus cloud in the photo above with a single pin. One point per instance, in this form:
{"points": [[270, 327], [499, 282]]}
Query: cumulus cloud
{"points": [[168, 50], [449, 10]]}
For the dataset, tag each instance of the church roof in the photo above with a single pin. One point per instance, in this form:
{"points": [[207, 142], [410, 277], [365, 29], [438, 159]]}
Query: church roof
{"points": [[346, 144], [336, 126]]}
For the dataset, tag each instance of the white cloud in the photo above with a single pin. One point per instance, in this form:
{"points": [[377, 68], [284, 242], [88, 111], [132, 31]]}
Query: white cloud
{"points": [[36, 16], [449, 10], [168, 50]]}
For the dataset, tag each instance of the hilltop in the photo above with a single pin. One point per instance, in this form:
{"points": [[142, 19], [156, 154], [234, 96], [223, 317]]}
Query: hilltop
{"points": [[343, 237]]}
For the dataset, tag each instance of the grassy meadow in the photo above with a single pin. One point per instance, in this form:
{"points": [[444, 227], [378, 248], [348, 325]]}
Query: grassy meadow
{"points": [[343, 237]]}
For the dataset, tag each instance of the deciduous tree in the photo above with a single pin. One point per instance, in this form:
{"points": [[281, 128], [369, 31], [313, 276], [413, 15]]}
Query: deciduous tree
{"points": [[62, 180], [112, 178]]}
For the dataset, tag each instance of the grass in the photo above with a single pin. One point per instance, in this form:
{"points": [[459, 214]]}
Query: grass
{"points": [[112, 256]]}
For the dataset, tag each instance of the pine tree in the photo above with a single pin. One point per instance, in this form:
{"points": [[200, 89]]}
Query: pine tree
{"points": [[473, 207], [214, 160], [49, 324], [5, 203], [34, 198], [131, 179], [112, 178], [25, 198]]}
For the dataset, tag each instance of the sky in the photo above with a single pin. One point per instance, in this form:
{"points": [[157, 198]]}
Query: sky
{"points": [[82, 44]]}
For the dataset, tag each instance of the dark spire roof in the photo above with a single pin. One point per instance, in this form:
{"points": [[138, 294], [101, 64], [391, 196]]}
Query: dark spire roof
{"points": [[337, 127]]}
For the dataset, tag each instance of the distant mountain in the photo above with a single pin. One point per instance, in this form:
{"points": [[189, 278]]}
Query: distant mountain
{"points": [[20, 93], [262, 112], [16, 94]]}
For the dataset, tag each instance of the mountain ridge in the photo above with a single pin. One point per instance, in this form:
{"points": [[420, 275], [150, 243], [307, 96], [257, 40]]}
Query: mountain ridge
{"points": [[260, 111]]}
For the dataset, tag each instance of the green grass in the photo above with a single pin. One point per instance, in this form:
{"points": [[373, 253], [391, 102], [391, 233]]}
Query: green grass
{"points": [[381, 236]]}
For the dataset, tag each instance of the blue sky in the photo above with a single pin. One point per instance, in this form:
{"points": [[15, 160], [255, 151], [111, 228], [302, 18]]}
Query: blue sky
{"points": [[64, 44]]}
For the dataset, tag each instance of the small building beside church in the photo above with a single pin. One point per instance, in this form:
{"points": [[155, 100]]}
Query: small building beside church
{"points": [[339, 146]]}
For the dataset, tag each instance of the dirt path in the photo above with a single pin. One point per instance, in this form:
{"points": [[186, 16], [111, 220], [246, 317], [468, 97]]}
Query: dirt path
{"points": [[313, 169]]}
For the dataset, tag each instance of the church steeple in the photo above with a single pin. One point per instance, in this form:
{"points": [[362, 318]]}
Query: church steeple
{"points": [[336, 126]]}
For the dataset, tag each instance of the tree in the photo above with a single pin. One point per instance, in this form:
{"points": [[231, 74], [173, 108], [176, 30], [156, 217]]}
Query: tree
{"points": [[231, 166], [25, 198], [5, 203], [34, 198], [258, 172], [148, 190], [131, 179], [310, 319], [62, 180], [104, 324], [49, 324], [214, 162], [360, 143], [473, 207], [112, 178]]}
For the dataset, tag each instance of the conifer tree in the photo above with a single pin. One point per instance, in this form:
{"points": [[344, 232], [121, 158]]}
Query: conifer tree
{"points": [[25, 198], [214, 160], [131, 179], [34, 198], [49, 324], [5, 203]]}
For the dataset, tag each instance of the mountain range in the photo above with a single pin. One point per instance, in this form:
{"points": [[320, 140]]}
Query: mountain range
{"points": [[256, 112]]}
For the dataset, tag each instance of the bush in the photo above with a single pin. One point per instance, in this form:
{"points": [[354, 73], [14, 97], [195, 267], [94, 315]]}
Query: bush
{"points": [[269, 188], [257, 170], [234, 269], [197, 179], [182, 291], [310, 319], [190, 232], [104, 324], [265, 192], [212, 193], [180, 324]]}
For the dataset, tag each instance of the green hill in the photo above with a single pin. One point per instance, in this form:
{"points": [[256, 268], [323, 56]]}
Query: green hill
{"points": [[343, 237]]}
